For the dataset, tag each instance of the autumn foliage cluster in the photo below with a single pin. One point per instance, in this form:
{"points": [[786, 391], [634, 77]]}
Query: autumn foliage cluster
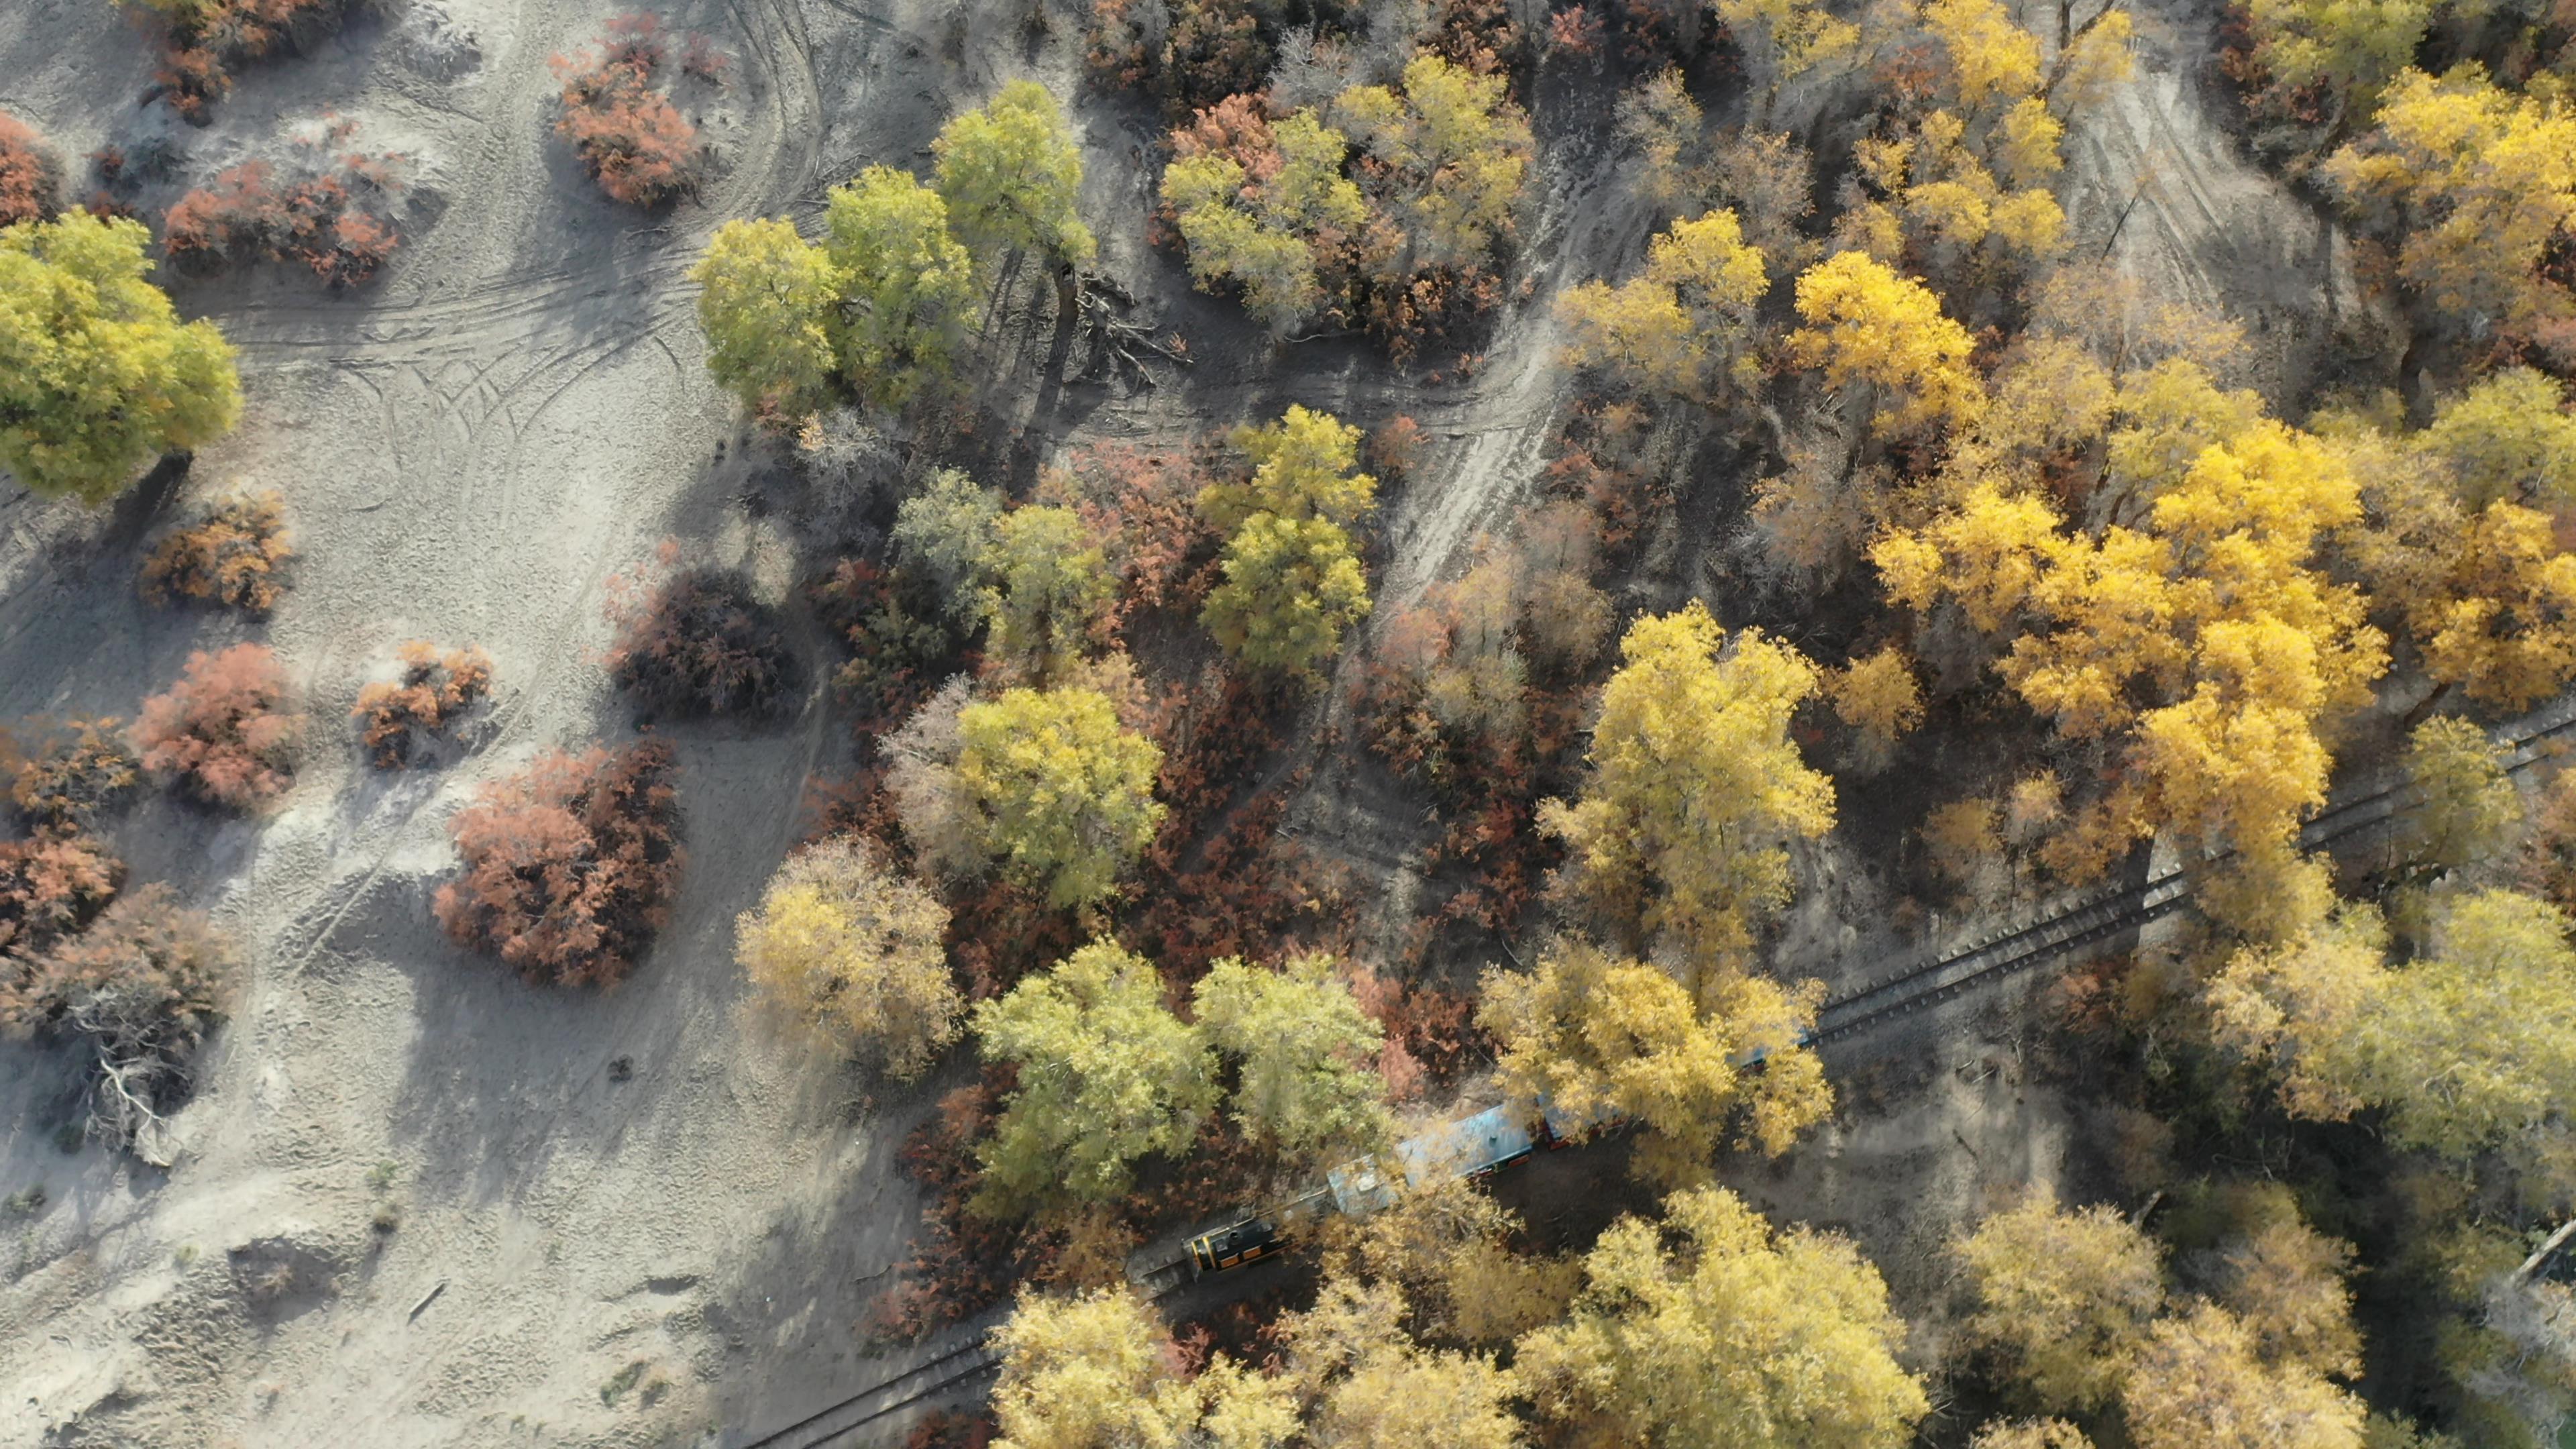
{"points": [[205, 40], [224, 732], [698, 643], [235, 557], [570, 865], [326, 210], [619, 120], [432, 691], [30, 178]]}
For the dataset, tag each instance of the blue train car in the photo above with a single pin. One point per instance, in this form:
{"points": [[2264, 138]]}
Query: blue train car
{"points": [[1469, 1147]]}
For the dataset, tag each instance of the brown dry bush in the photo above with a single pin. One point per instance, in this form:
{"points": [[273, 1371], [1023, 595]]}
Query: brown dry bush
{"points": [[234, 557], [141, 987], [78, 771], [698, 643], [426, 699], [629, 136], [52, 886], [222, 732], [329, 212], [30, 181], [570, 865]]}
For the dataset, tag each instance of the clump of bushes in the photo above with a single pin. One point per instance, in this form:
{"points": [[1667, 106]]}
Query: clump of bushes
{"points": [[30, 181], [234, 557], [570, 865], [698, 643], [222, 732], [81, 770], [426, 699], [629, 136], [142, 986], [207, 38], [327, 209]]}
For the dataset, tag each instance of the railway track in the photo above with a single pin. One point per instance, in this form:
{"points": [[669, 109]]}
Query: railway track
{"points": [[2072, 923], [2055, 930]]}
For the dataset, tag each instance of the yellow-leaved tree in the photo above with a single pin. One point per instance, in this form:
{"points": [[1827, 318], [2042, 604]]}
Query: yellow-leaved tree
{"points": [[2063, 1298], [2479, 180], [1682, 326], [1881, 337], [1734, 1338], [2209, 645], [1694, 791], [854, 953], [1593, 1034], [2467, 1050]]}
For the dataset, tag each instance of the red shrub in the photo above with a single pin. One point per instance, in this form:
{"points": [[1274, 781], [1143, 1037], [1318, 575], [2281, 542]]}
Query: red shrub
{"points": [[209, 37], [629, 136], [698, 643], [433, 690], [220, 730], [327, 212], [1395, 446], [570, 865], [30, 182], [1141, 507], [230, 557], [51, 886], [80, 770]]}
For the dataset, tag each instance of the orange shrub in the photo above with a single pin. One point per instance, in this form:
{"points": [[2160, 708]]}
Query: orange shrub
{"points": [[231, 557], [570, 865], [30, 183], [629, 136], [326, 212], [50, 886], [221, 732], [79, 771], [433, 690]]}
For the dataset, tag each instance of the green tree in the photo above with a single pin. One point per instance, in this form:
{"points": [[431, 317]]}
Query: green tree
{"points": [[2353, 46], [1306, 465], [1683, 325], [1012, 177], [1050, 584], [1454, 152], [2465, 805], [854, 953], [906, 285], [2063, 1298], [767, 303], [1734, 1339], [97, 374], [948, 531], [1062, 795], [1264, 232], [2510, 437], [1302, 1046], [2471, 1048], [1695, 787], [1106, 1076], [1292, 587]]}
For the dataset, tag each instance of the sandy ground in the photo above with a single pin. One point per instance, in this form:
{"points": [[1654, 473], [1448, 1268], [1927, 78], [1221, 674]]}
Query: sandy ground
{"points": [[470, 448]]}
